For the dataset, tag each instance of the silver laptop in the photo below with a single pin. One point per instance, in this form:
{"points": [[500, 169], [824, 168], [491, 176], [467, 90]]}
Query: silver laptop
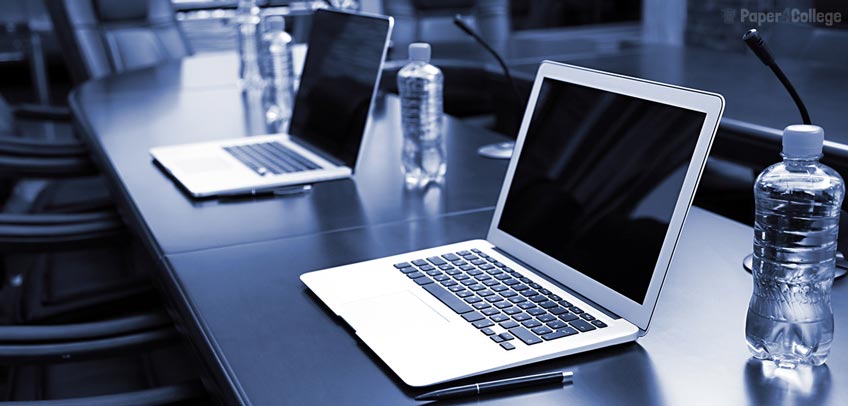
{"points": [[593, 203], [333, 102]]}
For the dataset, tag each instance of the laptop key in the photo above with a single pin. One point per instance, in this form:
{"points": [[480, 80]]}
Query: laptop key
{"points": [[541, 330], [472, 299], [520, 287], [525, 336], [419, 262], [499, 318], [508, 324], [408, 269], [426, 267], [521, 317], [565, 303], [565, 332], [544, 318], [582, 326], [510, 310], [481, 305], [508, 294], [441, 278], [403, 265], [448, 283], [456, 288], [483, 323], [423, 281], [587, 317], [575, 309], [503, 305], [497, 287], [472, 317], [487, 331], [507, 346], [436, 261], [558, 310], [496, 338], [456, 304], [567, 317], [413, 275], [526, 305], [464, 293], [434, 272], [538, 298], [485, 292], [598, 324], [531, 323], [450, 257], [491, 311], [445, 267], [506, 336], [547, 304], [516, 299], [536, 311], [476, 287], [556, 325]]}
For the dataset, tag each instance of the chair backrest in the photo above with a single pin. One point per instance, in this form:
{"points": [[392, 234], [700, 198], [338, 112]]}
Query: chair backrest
{"points": [[104, 37]]}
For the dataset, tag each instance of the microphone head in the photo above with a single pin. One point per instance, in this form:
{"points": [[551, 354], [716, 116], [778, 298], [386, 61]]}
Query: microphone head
{"points": [[754, 41], [459, 22]]}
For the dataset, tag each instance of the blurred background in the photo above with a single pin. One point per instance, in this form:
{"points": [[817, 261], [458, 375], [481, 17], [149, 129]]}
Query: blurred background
{"points": [[33, 69]]}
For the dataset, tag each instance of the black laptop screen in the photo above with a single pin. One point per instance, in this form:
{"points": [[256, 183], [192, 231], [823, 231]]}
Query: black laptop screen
{"points": [[341, 69], [597, 181]]}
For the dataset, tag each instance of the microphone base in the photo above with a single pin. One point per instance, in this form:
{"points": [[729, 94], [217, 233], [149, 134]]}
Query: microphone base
{"points": [[501, 150]]}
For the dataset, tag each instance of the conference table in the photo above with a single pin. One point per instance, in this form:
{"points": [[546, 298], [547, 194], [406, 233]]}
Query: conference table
{"points": [[229, 269]]}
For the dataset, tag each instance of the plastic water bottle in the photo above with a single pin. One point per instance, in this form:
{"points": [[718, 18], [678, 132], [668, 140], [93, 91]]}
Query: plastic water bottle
{"points": [[790, 320], [275, 63], [420, 85], [247, 23]]}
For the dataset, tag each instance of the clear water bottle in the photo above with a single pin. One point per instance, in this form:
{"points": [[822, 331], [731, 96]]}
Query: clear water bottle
{"points": [[790, 320], [275, 65], [247, 33], [420, 85]]}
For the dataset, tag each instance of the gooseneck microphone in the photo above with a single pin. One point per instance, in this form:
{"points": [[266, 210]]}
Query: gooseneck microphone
{"points": [[457, 20], [502, 150], [758, 45]]}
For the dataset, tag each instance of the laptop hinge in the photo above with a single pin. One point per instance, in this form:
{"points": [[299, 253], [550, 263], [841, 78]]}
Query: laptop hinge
{"points": [[566, 288]]}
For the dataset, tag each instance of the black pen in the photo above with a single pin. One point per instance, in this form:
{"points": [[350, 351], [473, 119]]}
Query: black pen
{"points": [[495, 386], [254, 194]]}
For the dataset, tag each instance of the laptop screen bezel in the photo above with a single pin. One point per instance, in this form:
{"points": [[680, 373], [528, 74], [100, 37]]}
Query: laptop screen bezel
{"points": [[709, 103], [304, 139]]}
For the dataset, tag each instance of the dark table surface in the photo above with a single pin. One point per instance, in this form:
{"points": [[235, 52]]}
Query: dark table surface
{"points": [[128, 119], [230, 269]]}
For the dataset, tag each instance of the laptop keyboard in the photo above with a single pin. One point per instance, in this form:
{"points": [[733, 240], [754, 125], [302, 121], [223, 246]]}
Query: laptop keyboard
{"points": [[270, 158], [488, 294]]}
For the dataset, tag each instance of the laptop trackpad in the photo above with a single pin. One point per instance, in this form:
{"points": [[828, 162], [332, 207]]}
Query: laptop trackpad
{"points": [[202, 164], [397, 309]]}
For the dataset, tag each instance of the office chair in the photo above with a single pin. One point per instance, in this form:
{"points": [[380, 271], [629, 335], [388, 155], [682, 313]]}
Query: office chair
{"points": [[105, 37], [68, 364]]}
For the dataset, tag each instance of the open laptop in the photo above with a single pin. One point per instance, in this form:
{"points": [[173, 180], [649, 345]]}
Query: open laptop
{"points": [[593, 203], [337, 89]]}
